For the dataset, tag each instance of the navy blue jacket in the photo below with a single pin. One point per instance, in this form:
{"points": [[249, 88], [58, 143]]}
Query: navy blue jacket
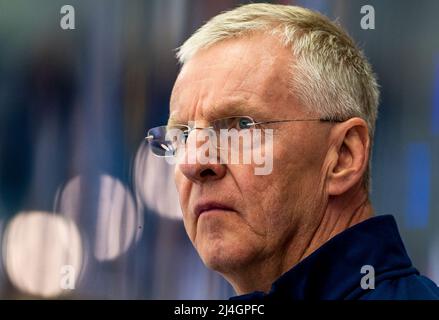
{"points": [[334, 271]]}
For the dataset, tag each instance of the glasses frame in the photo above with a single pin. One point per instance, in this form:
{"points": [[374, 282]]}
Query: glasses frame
{"points": [[254, 123]]}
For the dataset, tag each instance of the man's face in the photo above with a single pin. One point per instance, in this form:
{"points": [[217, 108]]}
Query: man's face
{"points": [[249, 76]]}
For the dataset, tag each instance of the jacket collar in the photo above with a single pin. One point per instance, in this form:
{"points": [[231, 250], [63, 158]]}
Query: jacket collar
{"points": [[333, 271]]}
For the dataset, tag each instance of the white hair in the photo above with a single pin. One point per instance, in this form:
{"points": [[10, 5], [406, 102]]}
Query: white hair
{"points": [[329, 74]]}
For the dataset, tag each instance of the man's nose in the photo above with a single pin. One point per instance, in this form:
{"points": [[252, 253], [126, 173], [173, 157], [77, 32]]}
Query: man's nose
{"points": [[200, 172]]}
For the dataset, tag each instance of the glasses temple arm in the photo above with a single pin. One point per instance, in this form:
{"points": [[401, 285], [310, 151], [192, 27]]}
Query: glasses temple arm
{"points": [[294, 120]]}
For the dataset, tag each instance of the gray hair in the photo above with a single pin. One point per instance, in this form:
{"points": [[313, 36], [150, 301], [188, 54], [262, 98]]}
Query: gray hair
{"points": [[329, 75]]}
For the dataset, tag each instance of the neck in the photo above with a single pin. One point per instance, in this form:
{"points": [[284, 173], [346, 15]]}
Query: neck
{"points": [[339, 214]]}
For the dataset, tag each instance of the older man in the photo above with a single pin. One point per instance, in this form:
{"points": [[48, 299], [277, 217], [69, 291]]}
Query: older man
{"points": [[305, 229]]}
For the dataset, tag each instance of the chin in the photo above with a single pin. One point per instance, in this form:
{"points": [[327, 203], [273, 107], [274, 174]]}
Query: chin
{"points": [[223, 256]]}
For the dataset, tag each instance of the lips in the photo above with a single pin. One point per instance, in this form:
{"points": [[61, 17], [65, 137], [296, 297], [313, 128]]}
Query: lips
{"points": [[209, 206]]}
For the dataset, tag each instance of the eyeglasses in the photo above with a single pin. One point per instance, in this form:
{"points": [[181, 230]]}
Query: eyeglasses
{"points": [[165, 140]]}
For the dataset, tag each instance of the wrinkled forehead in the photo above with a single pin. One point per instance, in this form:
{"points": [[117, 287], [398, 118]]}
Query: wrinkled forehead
{"points": [[250, 74]]}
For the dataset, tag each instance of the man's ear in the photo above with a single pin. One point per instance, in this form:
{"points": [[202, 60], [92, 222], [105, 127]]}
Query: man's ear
{"points": [[348, 155]]}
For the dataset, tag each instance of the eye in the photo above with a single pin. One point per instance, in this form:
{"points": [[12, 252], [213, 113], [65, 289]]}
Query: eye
{"points": [[244, 123], [177, 133]]}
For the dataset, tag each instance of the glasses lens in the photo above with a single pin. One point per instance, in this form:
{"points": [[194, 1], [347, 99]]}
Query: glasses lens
{"points": [[165, 140], [231, 130], [238, 123]]}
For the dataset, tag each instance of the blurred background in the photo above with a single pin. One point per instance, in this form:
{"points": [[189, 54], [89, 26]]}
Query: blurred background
{"points": [[87, 212]]}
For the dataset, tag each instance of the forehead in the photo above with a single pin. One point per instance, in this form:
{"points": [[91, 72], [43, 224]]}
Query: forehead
{"points": [[250, 73]]}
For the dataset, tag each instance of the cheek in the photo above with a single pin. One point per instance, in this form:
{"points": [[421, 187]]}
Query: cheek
{"points": [[299, 160], [263, 200], [276, 201]]}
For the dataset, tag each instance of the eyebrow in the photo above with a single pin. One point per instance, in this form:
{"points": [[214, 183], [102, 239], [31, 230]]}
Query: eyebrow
{"points": [[172, 120], [230, 108]]}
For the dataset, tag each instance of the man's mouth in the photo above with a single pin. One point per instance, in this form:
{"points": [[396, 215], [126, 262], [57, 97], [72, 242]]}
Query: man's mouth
{"points": [[205, 207]]}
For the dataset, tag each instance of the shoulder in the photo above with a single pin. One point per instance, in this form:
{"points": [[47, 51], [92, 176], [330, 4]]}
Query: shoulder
{"points": [[410, 287]]}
